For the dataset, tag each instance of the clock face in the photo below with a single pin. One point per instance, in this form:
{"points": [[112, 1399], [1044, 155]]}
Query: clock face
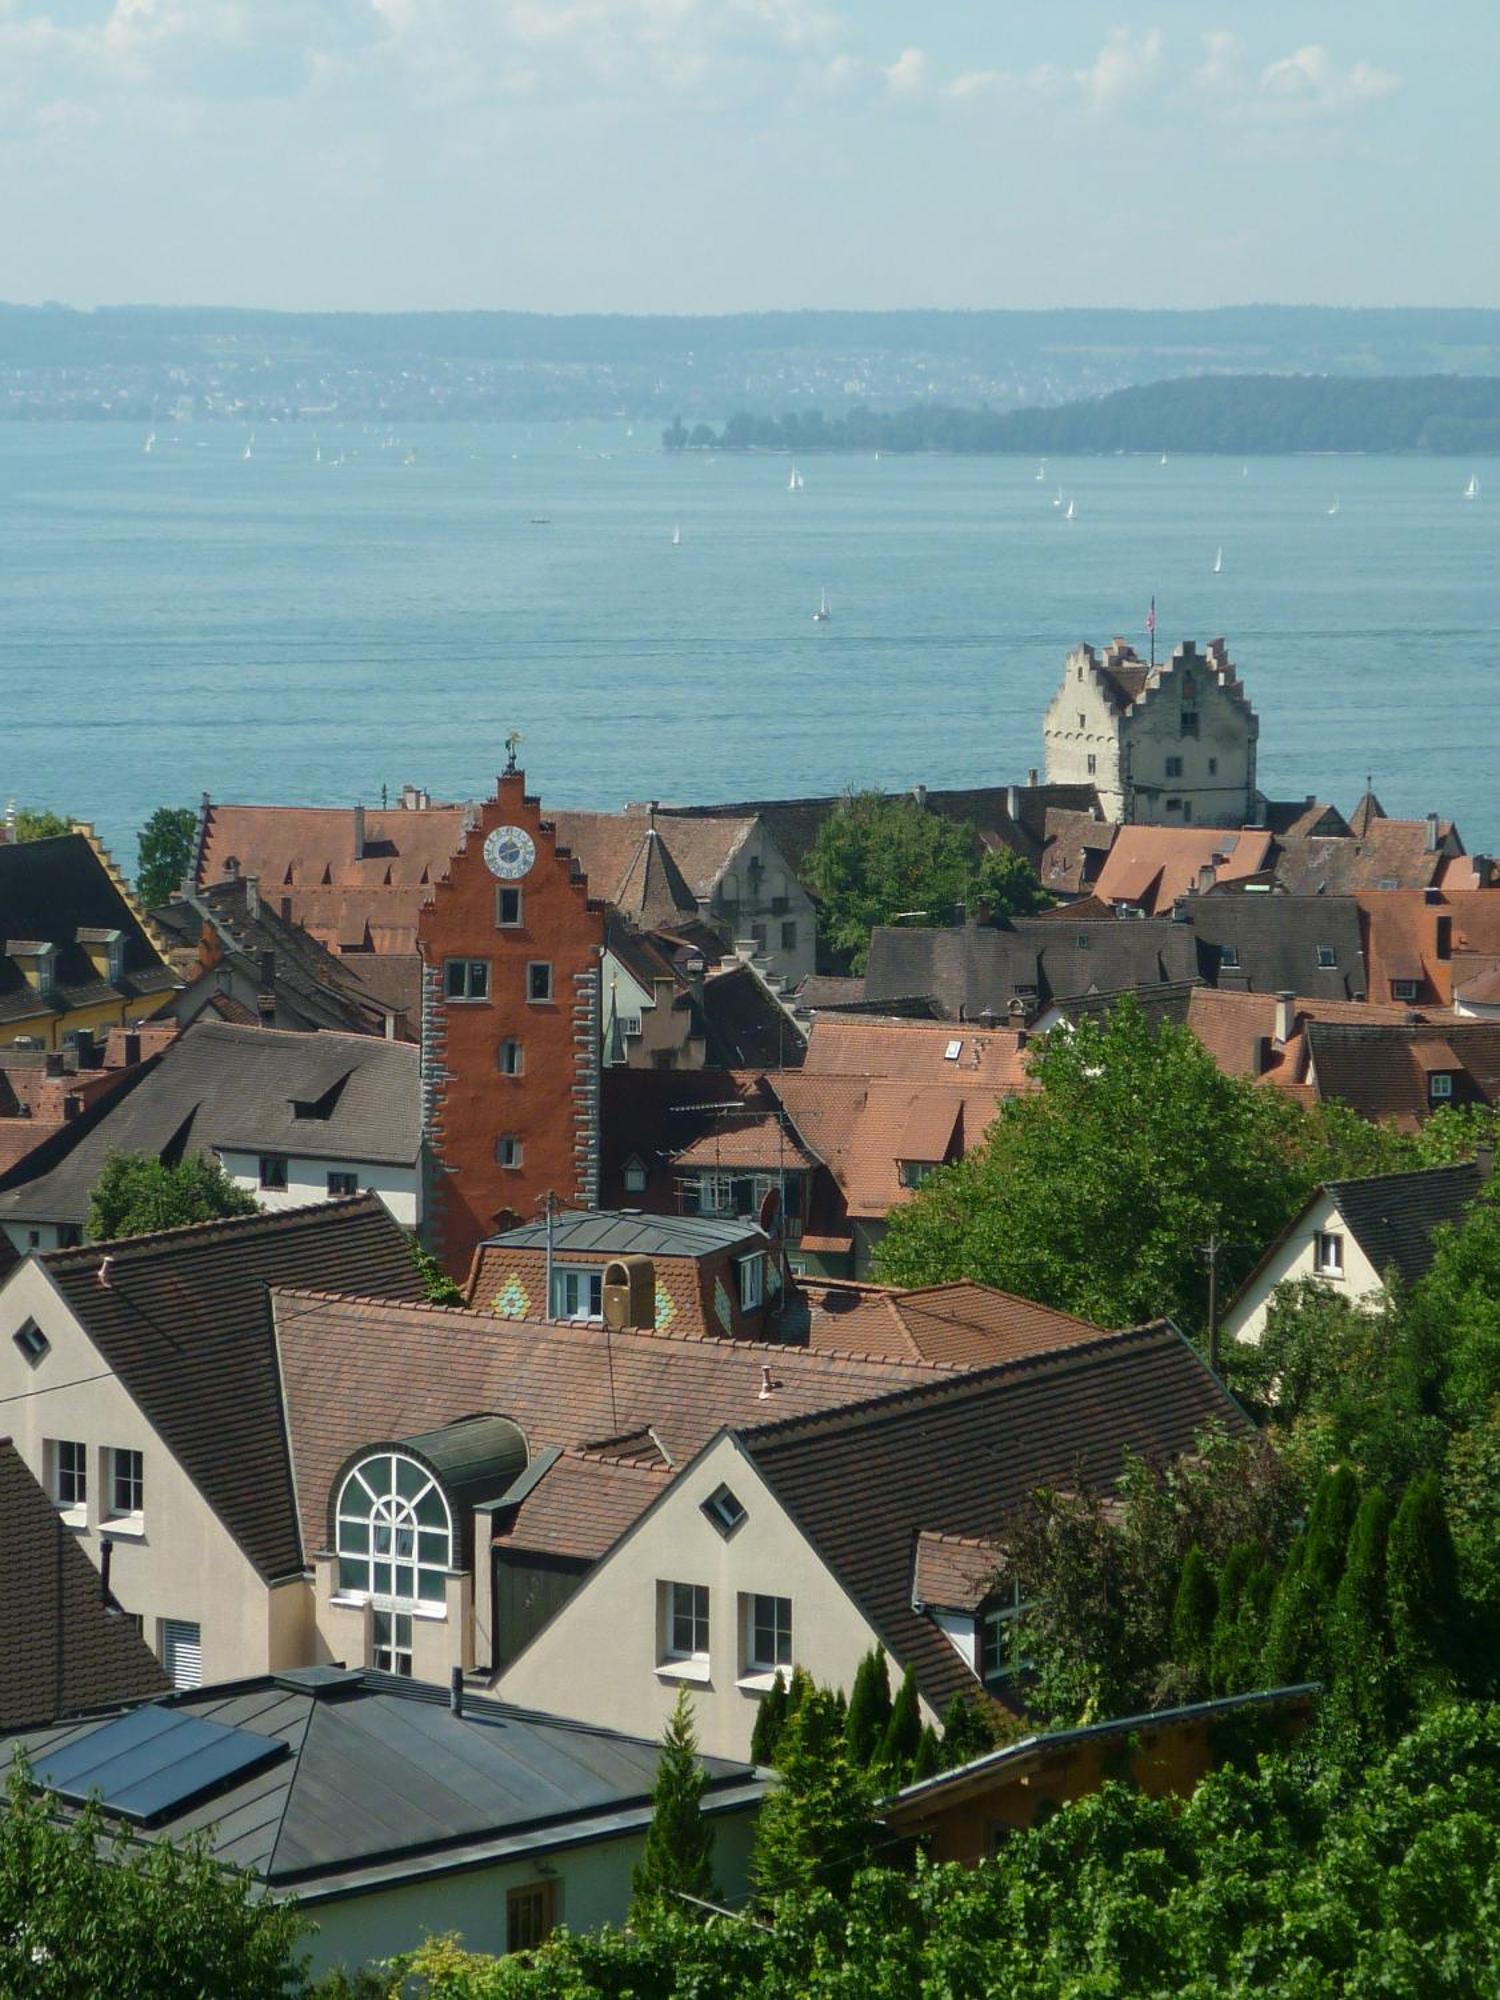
{"points": [[509, 852]]}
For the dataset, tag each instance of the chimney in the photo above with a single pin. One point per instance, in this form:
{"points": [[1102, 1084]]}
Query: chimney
{"points": [[456, 1691], [768, 1386], [1432, 833], [1286, 1014], [919, 794], [1031, 779], [359, 833], [252, 896], [102, 1274], [130, 1050]]}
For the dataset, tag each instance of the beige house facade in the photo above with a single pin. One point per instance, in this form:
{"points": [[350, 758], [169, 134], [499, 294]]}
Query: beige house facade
{"points": [[1319, 1245]]}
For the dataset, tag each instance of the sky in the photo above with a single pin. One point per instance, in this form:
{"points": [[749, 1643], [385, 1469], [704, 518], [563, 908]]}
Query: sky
{"points": [[727, 155]]}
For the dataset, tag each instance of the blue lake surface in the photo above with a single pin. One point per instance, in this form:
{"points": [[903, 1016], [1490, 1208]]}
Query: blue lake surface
{"points": [[281, 629]]}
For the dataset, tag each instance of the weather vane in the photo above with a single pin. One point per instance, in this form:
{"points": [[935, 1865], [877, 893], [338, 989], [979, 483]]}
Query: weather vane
{"points": [[512, 744]]}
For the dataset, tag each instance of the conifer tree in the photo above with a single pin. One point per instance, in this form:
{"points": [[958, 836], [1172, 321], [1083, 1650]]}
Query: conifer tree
{"points": [[904, 1730], [1426, 1610], [769, 1723], [678, 1854], [1245, 1645], [1239, 1565], [1359, 1639], [1193, 1612], [929, 1758], [1297, 1646], [815, 1829], [966, 1732], [869, 1707]]}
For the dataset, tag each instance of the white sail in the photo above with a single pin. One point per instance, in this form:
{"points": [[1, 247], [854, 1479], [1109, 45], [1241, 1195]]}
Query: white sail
{"points": [[822, 615], [1335, 507], [676, 538], [1041, 471], [1218, 561], [1164, 458], [151, 441], [1471, 491], [1069, 515]]}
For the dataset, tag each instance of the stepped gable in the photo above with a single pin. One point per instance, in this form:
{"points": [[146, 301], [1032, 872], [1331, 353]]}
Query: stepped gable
{"points": [[64, 1646], [183, 1319], [960, 1456]]}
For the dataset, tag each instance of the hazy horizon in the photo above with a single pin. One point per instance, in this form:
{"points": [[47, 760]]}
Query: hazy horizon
{"points": [[705, 157]]}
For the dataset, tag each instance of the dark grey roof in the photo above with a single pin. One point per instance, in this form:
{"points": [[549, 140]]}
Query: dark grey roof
{"points": [[1393, 1217], [50, 890], [237, 1087], [1278, 940], [974, 968], [628, 1232], [386, 1782]]}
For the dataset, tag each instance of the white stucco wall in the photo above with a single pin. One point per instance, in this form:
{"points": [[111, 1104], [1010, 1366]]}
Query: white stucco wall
{"points": [[1218, 764], [307, 1181], [1293, 1260], [593, 1888], [1080, 723], [29, 1236], [598, 1658], [776, 880], [179, 1561]]}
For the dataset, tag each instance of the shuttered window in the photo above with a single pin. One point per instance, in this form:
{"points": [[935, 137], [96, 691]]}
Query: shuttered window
{"points": [[182, 1652]]}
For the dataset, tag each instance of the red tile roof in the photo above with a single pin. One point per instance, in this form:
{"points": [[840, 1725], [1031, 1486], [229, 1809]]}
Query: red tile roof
{"points": [[960, 1323], [953, 1572], [855, 1127]]}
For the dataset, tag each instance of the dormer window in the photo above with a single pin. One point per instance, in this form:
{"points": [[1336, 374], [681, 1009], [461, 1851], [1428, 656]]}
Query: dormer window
{"points": [[393, 1533], [1328, 958], [635, 1175], [1403, 989], [1440, 1086], [914, 1172], [998, 1631]]}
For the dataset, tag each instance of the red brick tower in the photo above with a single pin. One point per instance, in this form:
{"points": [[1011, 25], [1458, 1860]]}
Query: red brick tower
{"points": [[510, 1029]]}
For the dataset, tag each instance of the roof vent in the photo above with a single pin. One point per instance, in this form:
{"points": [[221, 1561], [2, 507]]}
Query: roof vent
{"points": [[102, 1274]]}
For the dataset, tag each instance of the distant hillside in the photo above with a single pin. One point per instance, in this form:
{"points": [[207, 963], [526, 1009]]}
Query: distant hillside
{"points": [[1239, 415], [148, 364]]}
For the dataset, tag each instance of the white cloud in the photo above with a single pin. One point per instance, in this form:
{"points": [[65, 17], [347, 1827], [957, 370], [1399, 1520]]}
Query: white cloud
{"points": [[1309, 82], [1222, 65], [1122, 68], [907, 75]]}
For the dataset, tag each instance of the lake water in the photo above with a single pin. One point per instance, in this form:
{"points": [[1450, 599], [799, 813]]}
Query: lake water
{"points": [[280, 629]]}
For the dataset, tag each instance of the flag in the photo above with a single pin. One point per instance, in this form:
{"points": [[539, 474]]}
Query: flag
{"points": [[1151, 617]]}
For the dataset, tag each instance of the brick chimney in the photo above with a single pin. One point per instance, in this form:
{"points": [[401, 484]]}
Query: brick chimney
{"points": [[359, 833], [1286, 1016], [1432, 833]]}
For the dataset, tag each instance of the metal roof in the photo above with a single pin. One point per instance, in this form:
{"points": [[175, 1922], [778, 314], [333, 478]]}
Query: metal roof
{"points": [[387, 1782], [624, 1232], [477, 1458]]}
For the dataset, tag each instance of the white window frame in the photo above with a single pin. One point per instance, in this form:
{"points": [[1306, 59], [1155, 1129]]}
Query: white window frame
{"points": [[764, 1610], [69, 1480], [127, 1473], [474, 979], [503, 922], [372, 1510], [577, 1293], [510, 1151], [993, 1627], [1328, 958], [1403, 989], [510, 1058], [345, 1174], [1440, 1086], [274, 1172], [391, 1642], [684, 1611], [753, 1281], [1328, 1253]]}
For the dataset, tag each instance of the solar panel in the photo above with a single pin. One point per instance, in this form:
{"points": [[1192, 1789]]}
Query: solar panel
{"points": [[154, 1761]]}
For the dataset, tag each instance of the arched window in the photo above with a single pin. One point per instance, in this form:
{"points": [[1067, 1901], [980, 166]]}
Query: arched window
{"points": [[394, 1535]]}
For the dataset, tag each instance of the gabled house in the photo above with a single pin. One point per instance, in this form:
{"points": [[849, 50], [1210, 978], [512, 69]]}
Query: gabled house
{"points": [[1400, 1075], [389, 1810], [808, 1540], [291, 1118], [142, 1390], [45, 1091], [76, 955], [1352, 1236]]}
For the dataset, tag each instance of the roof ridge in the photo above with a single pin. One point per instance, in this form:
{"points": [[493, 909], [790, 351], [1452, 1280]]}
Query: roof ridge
{"points": [[1055, 1358], [114, 1246], [1402, 1173]]}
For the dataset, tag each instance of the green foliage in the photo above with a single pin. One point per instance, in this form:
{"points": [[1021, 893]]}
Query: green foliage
{"points": [[1051, 1205], [678, 1855], [1471, 1480], [1247, 1586], [31, 825], [869, 1707], [903, 1732], [815, 1830], [439, 1288], [877, 858], [968, 1732], [82, 1914], [164, 854], [1359, 1635], [137, 1193], [1193, 1614], [1297, 1643], [1426, 1608], [929, 1756], [770, 1720]]}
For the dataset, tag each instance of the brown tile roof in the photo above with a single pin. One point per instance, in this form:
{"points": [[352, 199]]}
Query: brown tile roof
{"points": [[763, 1144], [961, 1323], [581, 1505], [855, 1126], [359, 1371], [989, 1058], [607, 846], [1236, 1028], [953, 1572], [962, 1455], [1151, 866], [62, 1648], [1381, 1072], [652, 890], [294, 848], [181, 1318]]}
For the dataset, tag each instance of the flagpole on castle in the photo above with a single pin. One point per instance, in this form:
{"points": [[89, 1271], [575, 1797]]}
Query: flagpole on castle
{"points": [[1151, 628]]}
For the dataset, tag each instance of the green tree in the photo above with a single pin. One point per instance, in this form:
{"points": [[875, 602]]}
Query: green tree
{"points": [[84, 1913], [929, 1757], [1097, 1193], [677, 1859], [439, 1288], [869, 1707], [877, 858], [1193, 1614], [968, 1731], [33, 825], [164, 854], [815, 1830], [1428, 1625], [1297, 1643], [137, 1193], [1239, 1566], [1005, 885], [770, 1721], [903, 1732], [1359, 1636]]}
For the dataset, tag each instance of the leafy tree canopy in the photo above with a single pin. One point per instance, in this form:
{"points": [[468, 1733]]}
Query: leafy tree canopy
{"points": [[1097, 1193], [877, 858], [34, 825], [164, 854], [137, 1193]]}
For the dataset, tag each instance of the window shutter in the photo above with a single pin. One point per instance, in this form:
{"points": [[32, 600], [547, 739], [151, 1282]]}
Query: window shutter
{"points": [[182, 1652]]}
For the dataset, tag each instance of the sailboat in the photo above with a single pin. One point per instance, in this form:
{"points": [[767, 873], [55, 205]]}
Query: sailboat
{"points": [[1335, 507], [317, 454], [676, 537], [1041, 471], [1069, 515], [249, 451], [1164, 458], [822, 615], [1471, 491], [411, 456], [793, 480], [1244, 472], [1057, 498], [151, 441], [1218, 562]]}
